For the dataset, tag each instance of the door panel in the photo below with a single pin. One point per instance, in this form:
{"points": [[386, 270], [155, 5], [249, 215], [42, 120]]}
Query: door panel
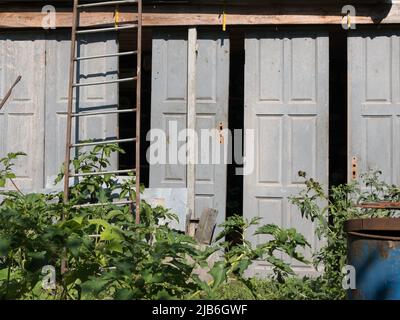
{"points": [[374, 102], [92, 98], [22, 117], [286, 104], [169, 109]]}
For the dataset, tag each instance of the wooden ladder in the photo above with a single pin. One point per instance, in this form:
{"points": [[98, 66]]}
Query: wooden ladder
{"points": [[71, 114]]}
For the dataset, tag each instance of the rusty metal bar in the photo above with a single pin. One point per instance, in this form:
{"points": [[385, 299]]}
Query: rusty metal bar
{"points": [[8, 94], [83, 114], [71, 114], [123, 27], [103, 82], [89, 205], [70, 102], [97, 143], [108, 3], [119, 54], [101, 173], [389, 205], [138, 107]]}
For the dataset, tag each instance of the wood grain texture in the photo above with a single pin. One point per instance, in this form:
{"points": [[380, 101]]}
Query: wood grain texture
{"points": [[191, 15]]}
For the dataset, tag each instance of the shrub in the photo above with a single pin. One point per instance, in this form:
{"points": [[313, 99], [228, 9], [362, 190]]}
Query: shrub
{"points": [[103, 254], [331, 210]]}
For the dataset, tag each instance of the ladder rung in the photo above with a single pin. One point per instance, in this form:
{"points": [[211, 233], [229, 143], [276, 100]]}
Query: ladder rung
{"points": [[82, 114], [96, 143], [117, 203], [118, 54], [123, 27], [107, 3], [103, 82], [86, 174]]}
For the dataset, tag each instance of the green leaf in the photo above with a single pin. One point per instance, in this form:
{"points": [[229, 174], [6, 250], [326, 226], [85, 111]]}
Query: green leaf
{"points": [[218, 272], [111, 233], [94, 285], [3, 274], [124, 294], [4, 246]]}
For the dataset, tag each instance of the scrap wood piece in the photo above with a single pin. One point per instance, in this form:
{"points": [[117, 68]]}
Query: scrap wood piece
{"points": [[207, 223], [8, 94], [191, 224]]}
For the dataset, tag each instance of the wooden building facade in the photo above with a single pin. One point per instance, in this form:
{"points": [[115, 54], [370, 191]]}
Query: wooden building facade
{"points": [[317, 82]]}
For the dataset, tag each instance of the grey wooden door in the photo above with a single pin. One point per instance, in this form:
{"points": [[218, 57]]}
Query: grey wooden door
{"points": [[168, 108], [22, 118], [374, 102], [92, 98], [286, 104]]}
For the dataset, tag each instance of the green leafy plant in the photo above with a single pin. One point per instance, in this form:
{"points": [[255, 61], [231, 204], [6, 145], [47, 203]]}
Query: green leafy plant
{"points": [[330, 210], [6, 165], [108, 256], [238, 258]]}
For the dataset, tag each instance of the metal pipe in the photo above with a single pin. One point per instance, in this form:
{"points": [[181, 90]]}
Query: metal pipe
{"points": [[103, 82], [97, 143], [101, 173], [117, 203], [8, 94], [101, 4], [138, 107], [132, 26], [119, 54], [83, 114], [69, 106]]}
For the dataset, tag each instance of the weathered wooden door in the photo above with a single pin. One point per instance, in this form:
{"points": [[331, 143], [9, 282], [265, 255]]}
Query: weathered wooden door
{"points": [[22, 118], [92, 98], [169, 109], [286, 104], [374, 103]]}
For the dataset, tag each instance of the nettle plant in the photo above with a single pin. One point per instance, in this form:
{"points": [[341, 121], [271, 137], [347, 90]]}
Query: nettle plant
{"points": [[107, 255], [330, 210]]}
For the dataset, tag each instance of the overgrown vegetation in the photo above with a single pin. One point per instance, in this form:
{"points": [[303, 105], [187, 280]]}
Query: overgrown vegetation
{"points": [[330, 210], [108, 256]]}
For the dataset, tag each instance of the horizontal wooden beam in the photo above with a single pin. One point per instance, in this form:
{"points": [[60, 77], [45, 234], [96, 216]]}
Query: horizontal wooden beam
{"points": [[174, 15]]}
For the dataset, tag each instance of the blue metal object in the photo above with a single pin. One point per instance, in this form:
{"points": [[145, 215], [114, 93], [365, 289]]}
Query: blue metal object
{"points": [[375, 255]]}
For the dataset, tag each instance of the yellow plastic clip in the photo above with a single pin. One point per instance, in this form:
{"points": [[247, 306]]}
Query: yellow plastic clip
{"points": [[223, 21], [348, 20], [116, 17]]}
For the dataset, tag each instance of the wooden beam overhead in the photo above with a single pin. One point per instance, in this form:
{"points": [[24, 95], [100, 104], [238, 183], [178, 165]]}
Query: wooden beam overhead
{"points": [[190, 15]]}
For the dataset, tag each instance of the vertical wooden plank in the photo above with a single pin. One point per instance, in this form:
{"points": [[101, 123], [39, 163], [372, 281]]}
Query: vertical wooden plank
{"points": [[191, 121]]}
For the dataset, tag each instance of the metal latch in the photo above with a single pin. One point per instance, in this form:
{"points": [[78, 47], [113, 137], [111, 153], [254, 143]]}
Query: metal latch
{"points": [[221, 134], [354, 168]]}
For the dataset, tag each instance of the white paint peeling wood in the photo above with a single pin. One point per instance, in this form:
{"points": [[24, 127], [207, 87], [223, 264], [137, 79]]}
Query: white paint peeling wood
{"points": [[95, 98], [286, 104], [169, 104], [374, 102], [22, 118], [191, 119], [32, 121]]}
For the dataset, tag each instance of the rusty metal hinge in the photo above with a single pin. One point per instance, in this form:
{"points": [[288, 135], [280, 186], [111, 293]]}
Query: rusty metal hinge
{"points": [[221, 133], [354, 168]]}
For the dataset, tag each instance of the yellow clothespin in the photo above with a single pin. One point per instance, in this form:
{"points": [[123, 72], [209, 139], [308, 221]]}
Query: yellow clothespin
{"points": [[223, 21], [116, 16], [348, 20]]}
